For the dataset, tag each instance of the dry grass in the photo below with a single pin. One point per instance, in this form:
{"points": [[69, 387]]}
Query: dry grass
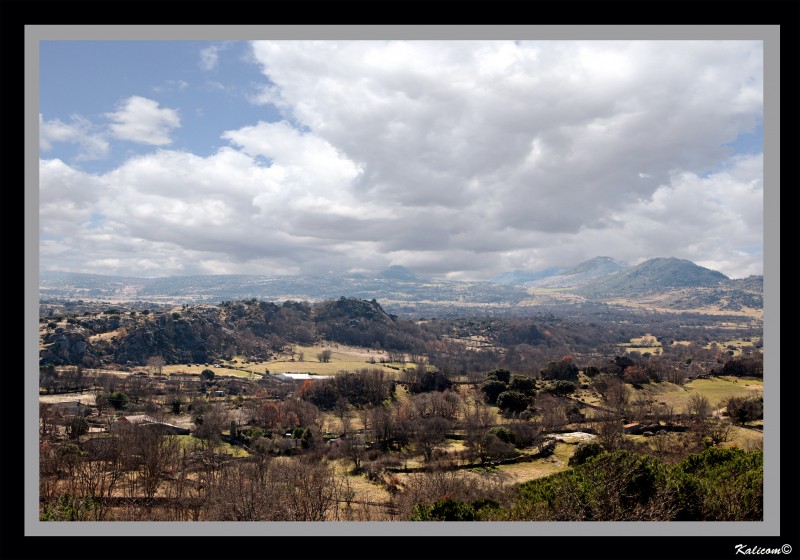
{"points": [[735, 345], [747, 438], [522, 472], [192, 442], [343, 358], [642, 344], [87, 398], [106, 336]]}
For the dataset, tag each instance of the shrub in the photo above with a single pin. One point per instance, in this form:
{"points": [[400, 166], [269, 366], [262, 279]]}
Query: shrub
{"points": [[563, 388], [591, 371], [491, 390], [448, 509], [585, 451], [564, 369], [443, 510], [504, 434], [424, 382], [118, 400], [76, 427], [745, 409], [500, 374], [512, 401], [522, 384]]}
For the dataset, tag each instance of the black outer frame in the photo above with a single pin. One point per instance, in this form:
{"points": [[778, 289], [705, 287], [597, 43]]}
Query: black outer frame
{"points": [[15, 14]]}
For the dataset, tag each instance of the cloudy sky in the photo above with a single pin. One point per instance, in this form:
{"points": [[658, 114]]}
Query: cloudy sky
{"points": [[457, 159]]}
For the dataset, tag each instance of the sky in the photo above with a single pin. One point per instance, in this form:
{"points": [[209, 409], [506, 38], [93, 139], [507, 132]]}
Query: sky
{"points": [[457, 159]]}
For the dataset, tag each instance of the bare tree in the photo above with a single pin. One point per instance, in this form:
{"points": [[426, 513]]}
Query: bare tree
{"points": [[310, 490], [614, 392], [698, 407], [210, 423], [354, 449], [430, 434], [342, 411], [364, 414], [48, 420], [610, 431], [552, 411], [155, 364]]}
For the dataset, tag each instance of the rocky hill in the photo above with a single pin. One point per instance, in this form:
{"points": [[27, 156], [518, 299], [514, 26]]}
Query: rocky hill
{"points": [[205, 333]]}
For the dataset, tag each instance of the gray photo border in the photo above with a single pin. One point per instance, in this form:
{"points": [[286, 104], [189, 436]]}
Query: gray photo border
{"points": [[769, 34]]}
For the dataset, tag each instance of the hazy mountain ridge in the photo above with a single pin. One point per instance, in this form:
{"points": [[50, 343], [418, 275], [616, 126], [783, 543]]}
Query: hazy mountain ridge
{"points": [[664, 282], [210, 289], [520, 277], [584, 273]]}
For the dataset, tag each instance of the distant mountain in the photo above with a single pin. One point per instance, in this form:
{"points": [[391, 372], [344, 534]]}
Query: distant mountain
{"points": [[598, 266], [520, 277], [660, 283], [583, 273], [399, 273], [654, 275], [396, 284]]}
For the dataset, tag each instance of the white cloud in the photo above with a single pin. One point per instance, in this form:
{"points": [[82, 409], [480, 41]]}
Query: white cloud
{"points": [[209, 57], [426, 119], [68, 199], [528, 139], [171, 85], [465, 158], [141, 120], [80, 131]]}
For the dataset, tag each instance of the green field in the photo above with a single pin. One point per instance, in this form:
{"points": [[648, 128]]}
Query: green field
{"points": [[716, 389]]}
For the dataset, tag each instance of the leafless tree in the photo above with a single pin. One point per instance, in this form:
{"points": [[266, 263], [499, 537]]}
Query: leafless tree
{"points": [[48, 421], [698, 407], [309, 489], [552, 411], [343, 413], [155, 364], [210, 423], [364, 414], [430, 434], [609, 431], [354, 449]]}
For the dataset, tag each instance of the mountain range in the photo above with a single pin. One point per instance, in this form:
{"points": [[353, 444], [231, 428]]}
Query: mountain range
{"points": [[662, 282]]}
